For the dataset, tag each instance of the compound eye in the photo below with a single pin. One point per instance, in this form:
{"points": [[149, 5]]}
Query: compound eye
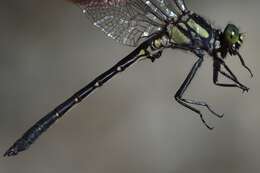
{"points": [[231, 34], [233, 37]]}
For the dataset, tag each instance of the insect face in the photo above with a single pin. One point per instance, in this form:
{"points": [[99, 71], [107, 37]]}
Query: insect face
{"points": [[232, 38]]}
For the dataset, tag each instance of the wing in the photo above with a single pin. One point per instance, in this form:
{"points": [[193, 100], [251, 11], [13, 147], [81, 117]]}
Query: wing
{"points": [[181, 5], [128, 21]]}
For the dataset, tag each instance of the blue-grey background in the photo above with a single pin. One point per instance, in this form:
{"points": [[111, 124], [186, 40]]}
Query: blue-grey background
{"points": [[48, 50]]}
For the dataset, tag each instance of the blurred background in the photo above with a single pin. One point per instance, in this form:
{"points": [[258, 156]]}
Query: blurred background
{"points": [[49, 50]]}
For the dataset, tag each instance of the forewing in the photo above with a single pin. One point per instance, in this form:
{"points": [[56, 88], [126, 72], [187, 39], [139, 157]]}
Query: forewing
{"points": [[181, 5], [128, 21], [168, 8]]}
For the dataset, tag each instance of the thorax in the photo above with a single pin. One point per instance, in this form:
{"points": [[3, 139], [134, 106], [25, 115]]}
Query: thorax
{"points": [[193, 31]]}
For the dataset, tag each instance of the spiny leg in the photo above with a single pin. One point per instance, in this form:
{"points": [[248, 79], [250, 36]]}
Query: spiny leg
{"points": [[217, 70], [201, 103], [234, 78], [238, 84], [216, 77], [244, 64], [182, 102], [183, 88]]}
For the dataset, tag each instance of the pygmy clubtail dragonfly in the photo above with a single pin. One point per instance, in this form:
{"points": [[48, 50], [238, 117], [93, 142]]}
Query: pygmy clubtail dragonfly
{"points": [[151, 26]]}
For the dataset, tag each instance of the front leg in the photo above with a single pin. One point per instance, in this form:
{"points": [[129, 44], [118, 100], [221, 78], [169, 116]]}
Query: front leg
{"points": [[217, 69], [185, 102]]}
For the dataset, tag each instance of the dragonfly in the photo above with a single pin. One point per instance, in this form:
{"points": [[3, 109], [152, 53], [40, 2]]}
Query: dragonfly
{"points": [[151, 26]]}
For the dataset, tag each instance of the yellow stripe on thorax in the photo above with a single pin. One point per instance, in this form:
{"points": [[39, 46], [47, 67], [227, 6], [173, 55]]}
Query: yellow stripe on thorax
{"points": [[198, 29], [178, 37]]}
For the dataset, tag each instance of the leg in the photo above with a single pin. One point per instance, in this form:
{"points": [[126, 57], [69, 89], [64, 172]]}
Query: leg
{"points": [[152, 57], [183, 88], [200, 103], [244, 65], [217, 70]]}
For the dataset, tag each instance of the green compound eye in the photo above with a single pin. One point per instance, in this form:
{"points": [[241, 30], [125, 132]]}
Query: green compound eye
{"points": [[231, 34]]}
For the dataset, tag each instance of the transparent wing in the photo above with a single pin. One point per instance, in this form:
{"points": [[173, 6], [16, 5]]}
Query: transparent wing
{"points": [[181, 5], [169, 8], [128, 21]]}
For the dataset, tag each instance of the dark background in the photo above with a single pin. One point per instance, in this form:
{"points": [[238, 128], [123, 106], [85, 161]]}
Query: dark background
{"points": [[48, 50]]}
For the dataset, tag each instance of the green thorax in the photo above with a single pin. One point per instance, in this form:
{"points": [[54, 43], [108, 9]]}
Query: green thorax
{"points": [[177, 33]]}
